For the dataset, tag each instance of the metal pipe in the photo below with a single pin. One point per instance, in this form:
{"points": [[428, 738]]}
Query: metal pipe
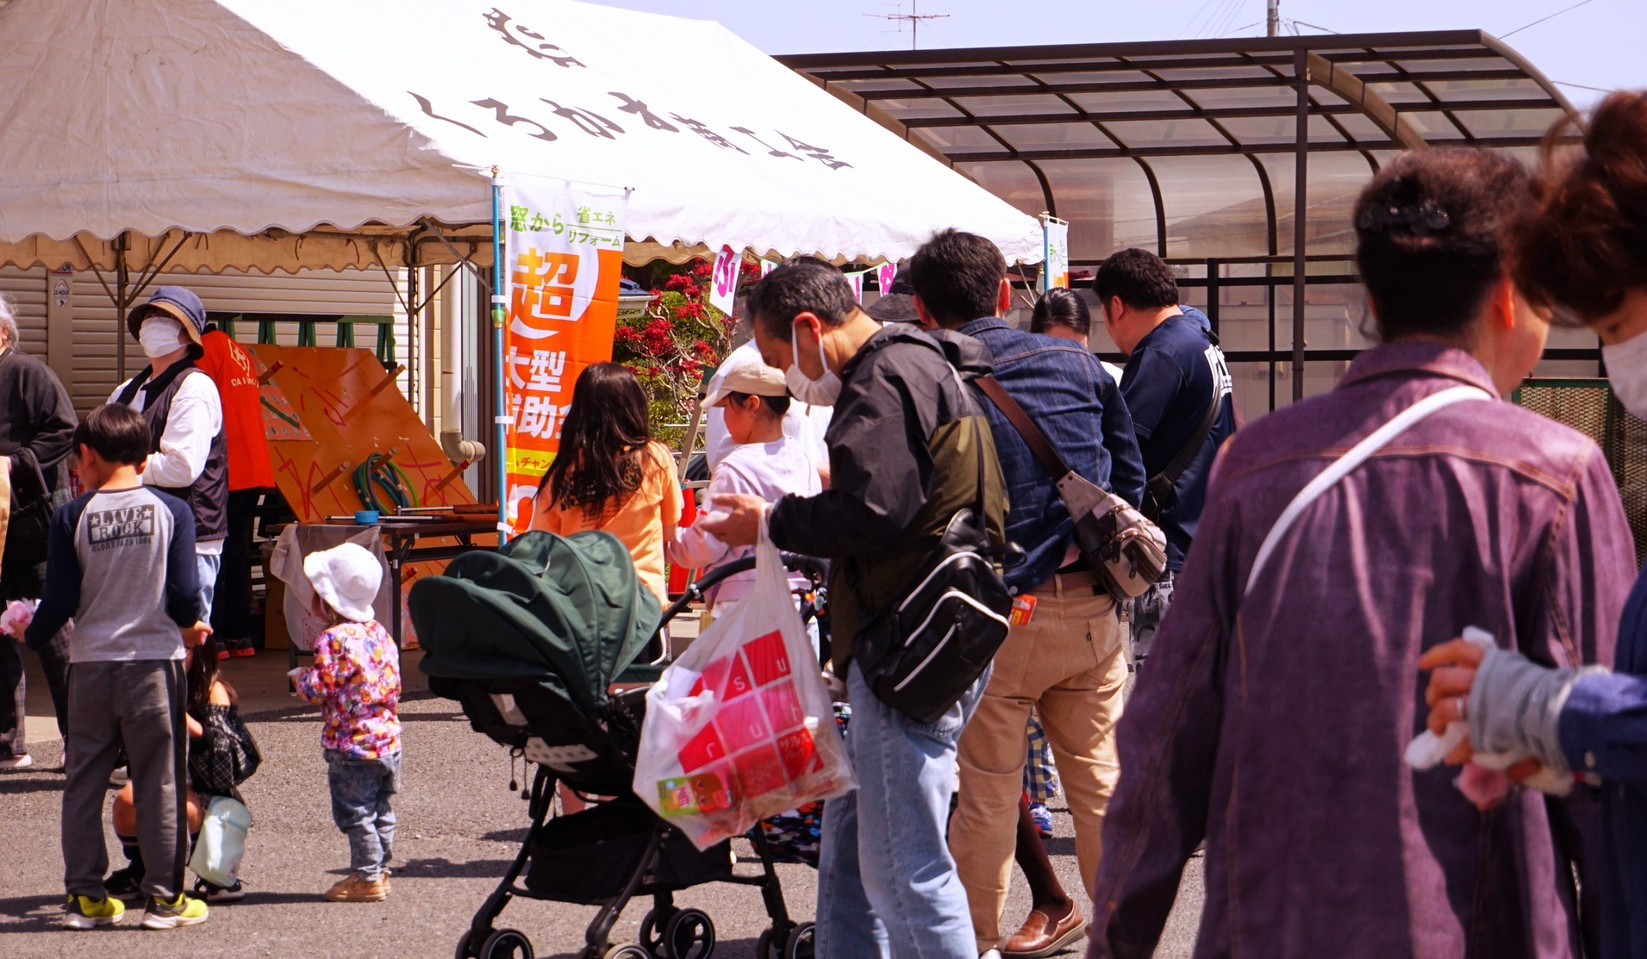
{"points": [[122, 280], [1300, 235], [500, 314]]}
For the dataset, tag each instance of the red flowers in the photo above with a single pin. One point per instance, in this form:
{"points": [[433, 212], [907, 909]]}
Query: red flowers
{"points": [[676, 343]]}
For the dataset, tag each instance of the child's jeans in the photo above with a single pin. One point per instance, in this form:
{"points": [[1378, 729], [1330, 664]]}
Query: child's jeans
{"points": [[360, 806]]}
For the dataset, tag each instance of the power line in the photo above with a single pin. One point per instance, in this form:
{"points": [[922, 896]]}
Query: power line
{"points": [[1316, 26], [1540, 20], [1221, 16], [1195, 17]]}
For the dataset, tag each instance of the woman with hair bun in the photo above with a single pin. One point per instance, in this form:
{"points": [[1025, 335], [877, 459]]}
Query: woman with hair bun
{"points": [[1282, 691], [1584, 255]]}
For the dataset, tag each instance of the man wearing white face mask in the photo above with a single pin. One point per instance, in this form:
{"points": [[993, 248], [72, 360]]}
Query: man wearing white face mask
{"points": [[908, 448], [190, 457]]}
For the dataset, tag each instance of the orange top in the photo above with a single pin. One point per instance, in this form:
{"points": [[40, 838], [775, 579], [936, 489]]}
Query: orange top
{"points": [[642, 522], [229, 366]]}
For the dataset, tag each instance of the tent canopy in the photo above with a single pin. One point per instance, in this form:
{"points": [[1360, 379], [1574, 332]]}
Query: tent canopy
{"points": [[213, 134]]}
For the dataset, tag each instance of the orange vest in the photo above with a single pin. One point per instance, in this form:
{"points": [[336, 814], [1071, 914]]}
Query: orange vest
{"points": [[232, 369]]}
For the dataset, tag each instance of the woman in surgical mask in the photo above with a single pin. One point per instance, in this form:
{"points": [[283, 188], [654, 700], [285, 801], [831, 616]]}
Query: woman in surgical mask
{"points": [[1584, 255]]}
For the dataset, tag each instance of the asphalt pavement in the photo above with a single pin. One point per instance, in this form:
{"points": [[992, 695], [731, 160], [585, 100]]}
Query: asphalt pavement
{"points": [[460, 825]]}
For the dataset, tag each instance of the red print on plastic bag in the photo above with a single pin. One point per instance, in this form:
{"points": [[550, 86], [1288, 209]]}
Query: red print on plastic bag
{"points": [[800, 754], [768, 658], [727, 676], [741, 724], [702, 749], [783, 706], [760, 771]]}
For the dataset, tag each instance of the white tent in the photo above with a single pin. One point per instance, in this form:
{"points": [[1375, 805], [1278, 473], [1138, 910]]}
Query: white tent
{"points": [[213, 134]]}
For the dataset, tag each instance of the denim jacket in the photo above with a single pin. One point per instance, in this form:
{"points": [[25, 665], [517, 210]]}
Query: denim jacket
{"points": [[1075, 402], [1272, 725]]}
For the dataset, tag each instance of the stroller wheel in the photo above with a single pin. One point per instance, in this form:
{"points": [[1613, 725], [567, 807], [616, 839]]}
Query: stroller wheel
{"points": [[689, 935], [466, 945], [764, 946], [506, 944], [800, 944], [628, 951], [651, 930]]}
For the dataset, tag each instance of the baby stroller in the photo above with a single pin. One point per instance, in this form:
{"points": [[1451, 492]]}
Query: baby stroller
{"points": [[529, 640]]}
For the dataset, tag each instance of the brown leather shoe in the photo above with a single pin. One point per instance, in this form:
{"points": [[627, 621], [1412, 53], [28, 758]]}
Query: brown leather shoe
{"points": [[1043, 935]]}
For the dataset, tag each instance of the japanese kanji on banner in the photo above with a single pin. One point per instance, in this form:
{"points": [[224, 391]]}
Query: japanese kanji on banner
{"points": [[563, 254]]}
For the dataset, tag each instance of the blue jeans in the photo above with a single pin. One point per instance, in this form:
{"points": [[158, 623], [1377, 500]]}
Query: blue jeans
{"points": [[360, 806], [205, 570], [886, 883]]}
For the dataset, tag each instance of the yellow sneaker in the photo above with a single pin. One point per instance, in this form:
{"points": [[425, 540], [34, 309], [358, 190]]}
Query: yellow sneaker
{"points": [[182, 911], [84, 912]]}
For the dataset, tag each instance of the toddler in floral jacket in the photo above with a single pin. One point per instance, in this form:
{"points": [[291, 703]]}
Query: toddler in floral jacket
{"points": [[355, 681]]}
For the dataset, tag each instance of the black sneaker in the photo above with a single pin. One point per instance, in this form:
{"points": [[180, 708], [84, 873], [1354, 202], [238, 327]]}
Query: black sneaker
{"points": [[125, 883], [210, 893]]}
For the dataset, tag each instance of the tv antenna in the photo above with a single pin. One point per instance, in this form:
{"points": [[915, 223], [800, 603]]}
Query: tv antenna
{"points": [[913, 18]]}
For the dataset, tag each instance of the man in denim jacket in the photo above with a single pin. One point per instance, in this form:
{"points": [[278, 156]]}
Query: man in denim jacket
{"points": [[1069, 658]]}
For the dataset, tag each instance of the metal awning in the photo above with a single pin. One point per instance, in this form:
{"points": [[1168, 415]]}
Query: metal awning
{"points": [[1189, 148]]}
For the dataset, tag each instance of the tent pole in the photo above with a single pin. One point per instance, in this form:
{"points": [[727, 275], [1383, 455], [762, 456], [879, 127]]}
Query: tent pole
{"points": [[122, 279], [499, 317]]}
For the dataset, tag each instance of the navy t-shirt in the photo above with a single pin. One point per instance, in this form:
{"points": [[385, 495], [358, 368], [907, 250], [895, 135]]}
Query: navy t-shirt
{"points": [[1169, 381]]}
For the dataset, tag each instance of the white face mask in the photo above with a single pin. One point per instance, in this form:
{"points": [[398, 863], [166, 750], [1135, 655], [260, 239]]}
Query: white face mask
{"points": [[1627, 370], [823, 391], [160, 336]]}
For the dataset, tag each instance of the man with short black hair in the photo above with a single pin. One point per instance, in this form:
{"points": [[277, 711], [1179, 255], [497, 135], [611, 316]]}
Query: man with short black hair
{"points": [[1068, 657], [1177, 388], [907, 450]]}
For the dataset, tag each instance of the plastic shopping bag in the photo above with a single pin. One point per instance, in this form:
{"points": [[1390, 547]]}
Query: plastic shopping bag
{"points": [[740, 727], [222, 841]]}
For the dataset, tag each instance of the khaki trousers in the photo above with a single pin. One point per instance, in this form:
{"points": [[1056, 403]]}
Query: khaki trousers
{"points": [[1069, 662]]}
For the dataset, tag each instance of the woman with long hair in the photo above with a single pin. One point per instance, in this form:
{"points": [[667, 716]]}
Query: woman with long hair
{"points": [[610, 474], [1584, 255]]}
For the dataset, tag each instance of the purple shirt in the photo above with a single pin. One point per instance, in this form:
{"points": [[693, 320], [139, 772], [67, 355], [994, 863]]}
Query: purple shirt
{"points": [[1272, 727]]}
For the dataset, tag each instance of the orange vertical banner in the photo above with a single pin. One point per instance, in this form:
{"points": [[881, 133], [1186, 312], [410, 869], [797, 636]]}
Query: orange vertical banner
{"points": [[563, 257]]}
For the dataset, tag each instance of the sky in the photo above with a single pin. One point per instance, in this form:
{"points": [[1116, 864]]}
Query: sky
{"points": [[1599, 43]]}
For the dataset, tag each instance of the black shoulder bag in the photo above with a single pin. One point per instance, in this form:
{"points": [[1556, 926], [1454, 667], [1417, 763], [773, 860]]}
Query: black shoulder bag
{"points": [[922, 652], [1126, 551]]}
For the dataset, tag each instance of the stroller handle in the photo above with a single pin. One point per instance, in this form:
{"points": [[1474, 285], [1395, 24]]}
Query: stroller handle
{"points": [[794, 562]]}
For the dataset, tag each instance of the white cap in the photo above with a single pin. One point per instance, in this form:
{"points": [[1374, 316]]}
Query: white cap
{"points": [[347, 577], [749, 376]]}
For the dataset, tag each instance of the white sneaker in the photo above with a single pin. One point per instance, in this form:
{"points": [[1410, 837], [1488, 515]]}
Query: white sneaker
{"points": [[120, 777], [17, 762]]}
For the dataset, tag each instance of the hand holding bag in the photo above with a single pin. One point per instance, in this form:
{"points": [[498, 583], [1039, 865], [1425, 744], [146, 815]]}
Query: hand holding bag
{"points": [[1126, 551], [741, 727]]}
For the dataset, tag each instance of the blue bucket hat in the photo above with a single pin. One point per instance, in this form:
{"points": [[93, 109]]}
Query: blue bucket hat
{"points": [[179, 304]]}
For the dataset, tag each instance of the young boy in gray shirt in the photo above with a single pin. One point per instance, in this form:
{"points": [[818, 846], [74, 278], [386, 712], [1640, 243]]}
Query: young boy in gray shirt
{"points": [[120, 561]]}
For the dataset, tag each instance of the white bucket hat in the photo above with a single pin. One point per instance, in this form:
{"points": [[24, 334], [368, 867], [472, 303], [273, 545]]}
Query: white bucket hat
{"points": [[347, 577]]}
